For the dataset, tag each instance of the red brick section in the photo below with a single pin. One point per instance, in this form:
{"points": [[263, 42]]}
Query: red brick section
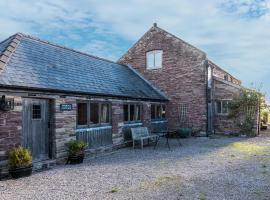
{"points": [[10, 128], [182, 76], [224, 90], [220, 73]]}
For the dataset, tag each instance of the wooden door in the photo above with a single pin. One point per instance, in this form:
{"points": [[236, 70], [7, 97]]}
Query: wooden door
{"points": [[35, 134]]}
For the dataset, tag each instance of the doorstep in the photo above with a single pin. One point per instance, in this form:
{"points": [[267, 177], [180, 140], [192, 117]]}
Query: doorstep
{"points": [[44, 164]]}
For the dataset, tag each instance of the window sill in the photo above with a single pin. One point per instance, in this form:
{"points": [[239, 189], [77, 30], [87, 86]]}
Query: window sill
{"points": [[80, 129], [158, 120], [92, 126]]}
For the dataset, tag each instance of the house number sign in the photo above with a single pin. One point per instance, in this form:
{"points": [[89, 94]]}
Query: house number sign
{"points": [[65, 107]]}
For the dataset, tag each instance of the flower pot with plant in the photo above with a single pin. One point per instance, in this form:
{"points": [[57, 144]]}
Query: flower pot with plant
{"points": [[20, 162], [76, 150]]}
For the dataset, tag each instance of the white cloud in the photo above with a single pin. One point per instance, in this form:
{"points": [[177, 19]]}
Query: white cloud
{"points": [[234, 33]]}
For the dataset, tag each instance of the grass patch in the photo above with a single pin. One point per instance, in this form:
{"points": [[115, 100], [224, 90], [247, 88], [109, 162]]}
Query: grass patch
{"points": [[258, 193], [249, 148], [202, 197], [115, 189], [158, 182]]}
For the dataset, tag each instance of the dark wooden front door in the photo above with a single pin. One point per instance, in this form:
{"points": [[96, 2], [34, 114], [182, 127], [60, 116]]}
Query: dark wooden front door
{"points": [[35, 134]]}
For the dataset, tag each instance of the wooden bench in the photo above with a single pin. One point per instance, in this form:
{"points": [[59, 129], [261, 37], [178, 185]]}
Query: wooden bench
{"points": [[140, 134]]}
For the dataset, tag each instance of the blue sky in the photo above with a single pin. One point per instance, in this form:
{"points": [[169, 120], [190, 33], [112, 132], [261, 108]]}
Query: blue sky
{"points": [[235, 34]]}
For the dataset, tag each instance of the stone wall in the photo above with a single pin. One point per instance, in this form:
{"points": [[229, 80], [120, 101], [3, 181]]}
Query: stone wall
{"points": [[224, 90], [65, 125], [182, 76], [10, 127]]}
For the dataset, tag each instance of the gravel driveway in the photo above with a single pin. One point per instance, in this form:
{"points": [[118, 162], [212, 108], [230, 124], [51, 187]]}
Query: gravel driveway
{"points": [[203, 168]]}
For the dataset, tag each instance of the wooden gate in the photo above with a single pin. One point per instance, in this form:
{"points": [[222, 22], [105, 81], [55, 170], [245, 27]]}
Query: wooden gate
{"points": [[35, 133]]}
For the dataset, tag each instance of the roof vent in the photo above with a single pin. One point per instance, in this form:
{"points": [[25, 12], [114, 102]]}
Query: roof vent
{"points": [[155, 24]]}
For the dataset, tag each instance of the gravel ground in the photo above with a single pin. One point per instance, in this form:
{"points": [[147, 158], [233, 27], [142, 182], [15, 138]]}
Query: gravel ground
{"points": [[203, 168]]}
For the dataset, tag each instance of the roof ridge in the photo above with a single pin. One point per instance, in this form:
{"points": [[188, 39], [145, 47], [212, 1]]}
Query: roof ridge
{"points": [[10, 48], [179, 39], [224, 70], [66, 48], [156, 27]]}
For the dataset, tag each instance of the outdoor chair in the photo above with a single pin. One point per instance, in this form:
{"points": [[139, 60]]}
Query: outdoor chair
{"points": [[140, 134]]}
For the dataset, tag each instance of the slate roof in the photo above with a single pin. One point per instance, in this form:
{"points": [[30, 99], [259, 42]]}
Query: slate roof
{"points": [[38, 64]]}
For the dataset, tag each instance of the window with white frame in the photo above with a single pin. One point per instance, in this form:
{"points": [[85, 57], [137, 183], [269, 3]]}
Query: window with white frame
{"points": [[222, 106], [154, 59]]}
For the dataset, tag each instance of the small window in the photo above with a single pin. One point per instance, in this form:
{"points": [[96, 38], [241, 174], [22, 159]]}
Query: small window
{"points": [[132, 112], [94, 113], [157, 111], [36, 111], [82, 113], [154, 59], [222, 107], [226, 78], [105, 113]]}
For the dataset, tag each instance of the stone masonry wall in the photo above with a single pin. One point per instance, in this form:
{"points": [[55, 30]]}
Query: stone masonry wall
{"points": [[224, 90], [65, 125], [10, 127], [182, 76]]}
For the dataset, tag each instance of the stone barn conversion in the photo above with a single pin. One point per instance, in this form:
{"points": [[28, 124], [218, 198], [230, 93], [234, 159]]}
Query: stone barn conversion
{"points": [[56, 94], [198, 90], [52, 94]]}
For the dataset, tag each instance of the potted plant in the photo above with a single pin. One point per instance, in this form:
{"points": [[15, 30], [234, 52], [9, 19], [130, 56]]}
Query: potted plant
{"points": [[76, 150], [20, 162]]}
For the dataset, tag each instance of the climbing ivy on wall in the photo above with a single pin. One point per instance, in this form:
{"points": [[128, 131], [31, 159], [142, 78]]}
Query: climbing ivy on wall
{"points": [[243, 109]]}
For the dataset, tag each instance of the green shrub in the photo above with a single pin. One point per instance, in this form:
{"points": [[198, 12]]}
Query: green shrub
{"points": [[19, 157], [183, 132], [76, 147]]}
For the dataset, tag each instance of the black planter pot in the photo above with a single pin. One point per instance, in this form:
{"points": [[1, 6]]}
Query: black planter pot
{"points": [[21, 172], [75, 159]]}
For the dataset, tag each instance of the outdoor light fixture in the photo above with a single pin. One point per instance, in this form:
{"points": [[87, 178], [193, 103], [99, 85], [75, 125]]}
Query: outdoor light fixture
{"points": [[6, 104]]}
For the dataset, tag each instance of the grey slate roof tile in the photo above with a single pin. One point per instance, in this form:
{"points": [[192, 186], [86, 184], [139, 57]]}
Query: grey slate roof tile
{"points": [[39, 64]]}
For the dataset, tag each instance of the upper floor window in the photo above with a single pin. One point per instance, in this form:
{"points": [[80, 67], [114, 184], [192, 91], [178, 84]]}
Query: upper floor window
{"points": [[154, 59], [132, 112], [93, 113], [157, 111], [222, 106]]}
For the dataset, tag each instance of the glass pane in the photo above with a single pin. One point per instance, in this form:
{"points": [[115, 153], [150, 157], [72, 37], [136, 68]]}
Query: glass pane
{"points": [[218, 106], [159, 111], [137, 112], [163, 114], [94, 116], [126, 112], [225, 107], [158, 59], [104, 113], [153, 112], [82, 114], [150, 60], [132, 112], [36, 112]]}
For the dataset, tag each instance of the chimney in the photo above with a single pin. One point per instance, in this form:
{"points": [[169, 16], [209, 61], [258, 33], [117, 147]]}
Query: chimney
{"points": [[155, 24]]}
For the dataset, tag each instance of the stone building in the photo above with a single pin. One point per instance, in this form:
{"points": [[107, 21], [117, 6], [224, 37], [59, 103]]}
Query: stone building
{"points": [[52, 94], [198, 90]]}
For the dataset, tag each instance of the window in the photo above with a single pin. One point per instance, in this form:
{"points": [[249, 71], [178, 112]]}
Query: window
{"points": [[93, 113], [82, 113], [132, 112], [154, 59], [222, 107], [36, 111], [226, 77], [158, 111], [105, 113]]}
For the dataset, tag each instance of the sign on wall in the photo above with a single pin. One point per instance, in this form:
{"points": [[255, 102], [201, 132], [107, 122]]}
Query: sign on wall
{"points": [[65, 107]]}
